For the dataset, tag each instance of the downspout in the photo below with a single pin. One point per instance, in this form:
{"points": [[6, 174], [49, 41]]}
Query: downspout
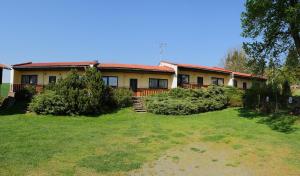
{"points": [[231, 80], [11, 81]]}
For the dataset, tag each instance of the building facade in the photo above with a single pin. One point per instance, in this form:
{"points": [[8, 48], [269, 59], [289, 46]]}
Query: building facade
{"points": [[142, 79]]}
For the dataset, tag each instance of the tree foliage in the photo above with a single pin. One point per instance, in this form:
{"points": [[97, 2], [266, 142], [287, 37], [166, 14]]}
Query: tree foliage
{"points": [[82, 94], [273, 26], [291, 68], [236, 60]]}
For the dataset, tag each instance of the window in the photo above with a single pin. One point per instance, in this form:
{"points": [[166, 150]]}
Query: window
{"points": [[235, 83], [183, 79], [29, 79], [200, 81], [244, 85], [111, 81], [52, 79], [158, 83], [217, 81]]}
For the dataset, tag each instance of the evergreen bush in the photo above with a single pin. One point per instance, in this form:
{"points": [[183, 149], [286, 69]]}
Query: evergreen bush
{"points": [[48, 103], [122, 97], [80, 94], [181, 101]]}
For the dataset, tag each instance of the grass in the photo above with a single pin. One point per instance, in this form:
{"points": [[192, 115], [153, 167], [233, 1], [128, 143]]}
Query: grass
{"points": [[123, 141], [296, 92], [4, 89]]}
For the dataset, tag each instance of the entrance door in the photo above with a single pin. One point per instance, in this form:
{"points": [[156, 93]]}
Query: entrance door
{"points": [[200, 81], [133, 85]]}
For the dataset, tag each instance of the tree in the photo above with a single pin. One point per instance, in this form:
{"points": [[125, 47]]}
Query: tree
{"points": [[291, 67], [82, 94], [95, 89], [273, 26], [236, 60]]}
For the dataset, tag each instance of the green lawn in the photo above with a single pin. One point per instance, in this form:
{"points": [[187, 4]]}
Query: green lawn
{"points": [[4, 89], [296, 92], [116, 144]]}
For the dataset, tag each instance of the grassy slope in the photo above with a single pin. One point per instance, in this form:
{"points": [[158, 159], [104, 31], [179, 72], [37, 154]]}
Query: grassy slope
{"points": [[119, 142], [4, 89]]}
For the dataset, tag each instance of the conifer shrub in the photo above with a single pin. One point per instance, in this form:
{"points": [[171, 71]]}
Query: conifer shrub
{"points": [[181, 101], [48, 103], [122, 97], [77, 94]]}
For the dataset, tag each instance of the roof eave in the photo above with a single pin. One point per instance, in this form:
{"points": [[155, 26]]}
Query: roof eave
{"points": [[204, 69], [136, 69], [49, 67]]}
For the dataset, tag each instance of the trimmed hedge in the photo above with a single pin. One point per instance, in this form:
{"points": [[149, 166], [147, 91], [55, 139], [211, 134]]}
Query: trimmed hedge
{"points": [[187, 101]]}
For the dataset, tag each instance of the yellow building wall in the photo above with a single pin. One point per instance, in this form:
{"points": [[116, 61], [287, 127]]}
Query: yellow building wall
{"points": [[124, 77], [43, 76], [240, 82], [206, 76], [143, 78]]}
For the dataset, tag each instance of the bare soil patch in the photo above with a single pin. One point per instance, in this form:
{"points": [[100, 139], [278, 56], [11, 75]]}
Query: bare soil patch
{"points": [[215, 159]]}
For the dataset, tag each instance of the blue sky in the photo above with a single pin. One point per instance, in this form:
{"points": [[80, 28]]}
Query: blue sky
{"points": [[123, 31]]}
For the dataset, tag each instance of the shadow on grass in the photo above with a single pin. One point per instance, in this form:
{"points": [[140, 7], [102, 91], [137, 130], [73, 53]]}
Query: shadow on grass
{"points": [[281, 122], [19, 107], [250, 114]]}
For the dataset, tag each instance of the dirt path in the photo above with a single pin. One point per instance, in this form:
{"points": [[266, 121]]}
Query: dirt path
{"points": [[215, 159]]}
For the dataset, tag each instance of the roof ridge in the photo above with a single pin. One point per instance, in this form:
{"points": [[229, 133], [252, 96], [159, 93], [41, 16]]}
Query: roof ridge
{"points": [[24, 63], [169, 62], [133, 64]]}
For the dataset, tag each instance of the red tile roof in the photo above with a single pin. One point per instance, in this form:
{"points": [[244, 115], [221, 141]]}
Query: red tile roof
{"points": [[4, 66], [247, 75], [54, 64], [136, 67], [242, 74], [200, 67], [216, 69]]}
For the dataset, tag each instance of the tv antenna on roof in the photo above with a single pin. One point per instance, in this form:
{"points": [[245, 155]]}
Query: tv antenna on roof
{"points": [[162, 47]]}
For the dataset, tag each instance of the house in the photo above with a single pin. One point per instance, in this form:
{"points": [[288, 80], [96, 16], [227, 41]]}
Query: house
{"points": [[142, 79]]}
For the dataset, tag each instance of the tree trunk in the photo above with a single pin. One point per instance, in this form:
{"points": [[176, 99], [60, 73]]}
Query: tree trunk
{"points": [[296, 38]]}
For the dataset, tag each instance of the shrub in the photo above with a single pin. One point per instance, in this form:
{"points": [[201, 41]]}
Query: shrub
{"points": [[47, 103], [26, 93], [80, 94], [280, 122], [283, 124], [187, 101], [1, 100], [122, 97], [235, 96]]}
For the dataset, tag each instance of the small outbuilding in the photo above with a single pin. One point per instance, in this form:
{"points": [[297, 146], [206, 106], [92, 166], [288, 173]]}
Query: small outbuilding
{"points": [[2, 66]]}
